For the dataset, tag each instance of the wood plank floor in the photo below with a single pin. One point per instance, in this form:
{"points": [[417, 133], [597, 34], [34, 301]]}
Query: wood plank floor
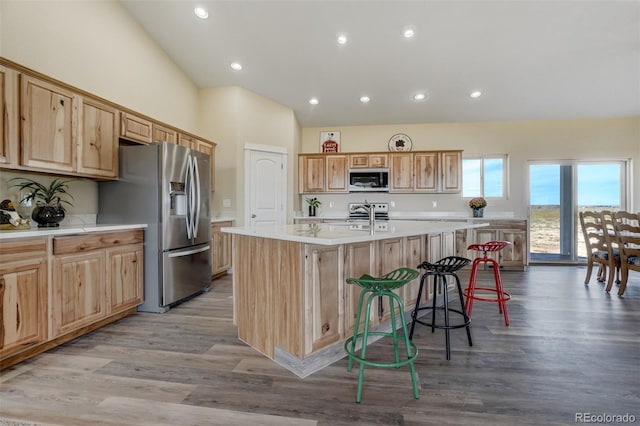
{"points": [[570, 349]]}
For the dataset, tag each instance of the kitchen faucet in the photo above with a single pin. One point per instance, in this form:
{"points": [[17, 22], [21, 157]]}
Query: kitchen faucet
{"points": [[371, 211]]}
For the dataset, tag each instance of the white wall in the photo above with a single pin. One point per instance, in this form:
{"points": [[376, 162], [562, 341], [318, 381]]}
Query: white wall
{"points": [[97, 46], [234, 117], [613, 139]]}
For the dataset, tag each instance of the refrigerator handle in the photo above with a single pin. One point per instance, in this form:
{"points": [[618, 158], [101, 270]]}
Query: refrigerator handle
{"points": [[198, 189], [188, 184]]}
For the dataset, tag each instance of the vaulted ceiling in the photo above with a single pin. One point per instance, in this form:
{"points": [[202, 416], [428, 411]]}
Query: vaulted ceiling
{"points": [[530, 59]]}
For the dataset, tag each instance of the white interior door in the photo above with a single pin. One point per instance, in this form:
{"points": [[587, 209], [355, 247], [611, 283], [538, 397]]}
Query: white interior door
{"points": [[265, 185]]}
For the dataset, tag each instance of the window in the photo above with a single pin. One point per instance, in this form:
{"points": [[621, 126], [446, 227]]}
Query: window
{"points": [[484, 176]]}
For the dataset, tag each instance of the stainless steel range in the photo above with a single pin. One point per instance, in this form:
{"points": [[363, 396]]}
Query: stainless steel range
{"points": [[359, 211]]}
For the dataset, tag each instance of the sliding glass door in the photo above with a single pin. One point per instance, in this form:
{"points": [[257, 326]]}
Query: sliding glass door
{"points": [[557, 192]]}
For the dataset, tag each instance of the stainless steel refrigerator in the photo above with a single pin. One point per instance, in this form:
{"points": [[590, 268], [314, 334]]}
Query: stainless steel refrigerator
{"points": [[166, 186]]}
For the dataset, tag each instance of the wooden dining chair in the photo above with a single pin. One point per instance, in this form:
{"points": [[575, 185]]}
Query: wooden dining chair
{"points": [[611, 241], [627, 230], [598, 249]]}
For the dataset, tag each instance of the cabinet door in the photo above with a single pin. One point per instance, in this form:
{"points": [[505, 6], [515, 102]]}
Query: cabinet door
{"points": [[336, 173], [163, 134], [187, 141], [379, 160], [358, 161], [125, 278], [323, 298], [9, 143], [220, 249], [135, 128], [360, 258], [426, 166], [48, 116], [414, 254], [311, 174], [401, 170], [209, 149], [23, 305], [78, 290], [451, 171], [480, 236], [391, 256], [513, 256], [98, 139]]}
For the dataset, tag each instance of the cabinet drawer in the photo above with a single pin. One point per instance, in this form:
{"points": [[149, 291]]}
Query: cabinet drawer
{"points": [[84, 243], [23, 249]]}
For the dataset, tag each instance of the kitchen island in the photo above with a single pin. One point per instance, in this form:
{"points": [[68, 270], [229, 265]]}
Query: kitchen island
{"points": [[291, 302]]}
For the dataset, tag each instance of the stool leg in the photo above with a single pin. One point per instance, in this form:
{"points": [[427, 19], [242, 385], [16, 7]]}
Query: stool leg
{"points": [[435, 296], [355, 327], [407, 343], [363, 351], [443, 281], [394, 332], [414, 313], [464, 311], [502, 305], [471, 289]]}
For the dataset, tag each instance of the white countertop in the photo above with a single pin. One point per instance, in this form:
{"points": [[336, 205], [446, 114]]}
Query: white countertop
{"points": [[342, 233], [416, 215], [222, 219], [65, 230]]}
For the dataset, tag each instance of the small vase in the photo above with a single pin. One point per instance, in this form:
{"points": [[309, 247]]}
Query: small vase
{"points": [[312, 211], [478, 212], [48, 216]]}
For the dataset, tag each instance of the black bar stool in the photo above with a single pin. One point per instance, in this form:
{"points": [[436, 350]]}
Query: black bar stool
{"points": [[440, 270]]}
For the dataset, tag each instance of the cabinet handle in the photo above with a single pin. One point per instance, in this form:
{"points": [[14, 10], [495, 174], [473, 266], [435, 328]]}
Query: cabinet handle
{"points": [[62, 102]]}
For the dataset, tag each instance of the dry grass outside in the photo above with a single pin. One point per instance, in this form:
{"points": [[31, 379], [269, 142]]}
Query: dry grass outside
{"points": [[545, 229]]}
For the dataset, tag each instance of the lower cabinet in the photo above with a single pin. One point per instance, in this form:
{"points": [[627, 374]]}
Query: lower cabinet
{"points": [[220, 249], [96, 278], [23, 295], [512, 257]]}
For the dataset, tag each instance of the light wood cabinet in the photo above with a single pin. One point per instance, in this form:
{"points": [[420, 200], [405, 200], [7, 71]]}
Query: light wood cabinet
{"points": [[210, 150], [311, 173], [401, 172], [391, 256], [95, 275], [336, 173], [322, 298], [9, 133], [135, 128], [512, 257], [98, 139], [414, 254], [360, 259], [23, 295], [365, 160], [125, 276], [426, 170], [450, 171], [187, 141], [48, 117], [161, 133], [220, 249]]}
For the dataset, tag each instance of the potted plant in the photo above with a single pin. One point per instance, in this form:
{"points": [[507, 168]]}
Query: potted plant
{"points": [[477, 204], [49, 210], [314, 203]]}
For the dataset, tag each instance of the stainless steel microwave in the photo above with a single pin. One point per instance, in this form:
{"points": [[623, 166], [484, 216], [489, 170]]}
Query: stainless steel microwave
{"points": [[369, 180]]}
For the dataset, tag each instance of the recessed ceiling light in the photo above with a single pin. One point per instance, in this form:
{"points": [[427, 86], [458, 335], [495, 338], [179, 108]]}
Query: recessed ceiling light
{"points": [[419, 97], [364, 99], [342, 39], [476, 94], [236, 66], [313, 101], [408, 33], [201, 12]]}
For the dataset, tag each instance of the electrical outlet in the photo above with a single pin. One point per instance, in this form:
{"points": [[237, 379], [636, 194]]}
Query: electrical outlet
{"points": [[330, 204], [226, 203], [434, 203], [392, 203]]}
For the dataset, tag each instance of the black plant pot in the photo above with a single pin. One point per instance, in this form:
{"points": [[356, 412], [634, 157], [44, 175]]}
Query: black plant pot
{"points": [[312, 211], [48, 216]]}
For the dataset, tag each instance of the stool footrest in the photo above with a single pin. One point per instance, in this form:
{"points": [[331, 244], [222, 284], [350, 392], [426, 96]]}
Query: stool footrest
{"points": [[363, 361], [444, 327], [506, 297]]}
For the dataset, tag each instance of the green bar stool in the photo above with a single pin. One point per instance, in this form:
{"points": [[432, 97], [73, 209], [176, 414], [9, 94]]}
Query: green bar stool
{"points": [[380, 287]]}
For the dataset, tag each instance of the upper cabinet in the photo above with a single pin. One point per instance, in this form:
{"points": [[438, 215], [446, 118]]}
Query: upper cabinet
{"points": [[51, 127], [136, 128], [419, 171], [8, 117], [47, 115]]}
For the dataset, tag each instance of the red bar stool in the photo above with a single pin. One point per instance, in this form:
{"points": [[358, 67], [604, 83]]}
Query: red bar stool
{"points": [[470, 292]]}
